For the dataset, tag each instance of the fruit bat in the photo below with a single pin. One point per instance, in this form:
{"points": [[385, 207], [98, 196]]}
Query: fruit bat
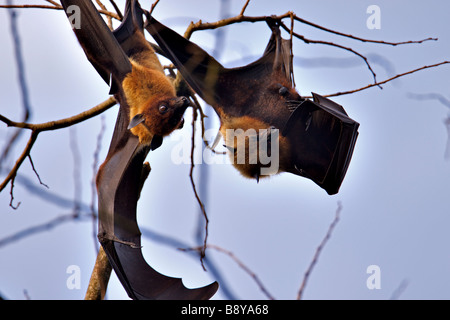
{"points": [[149, 110], [259, 109]]}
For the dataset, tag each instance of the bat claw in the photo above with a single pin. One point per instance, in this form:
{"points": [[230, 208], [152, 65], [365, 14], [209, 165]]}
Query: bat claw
{"points": [[231, 149]]}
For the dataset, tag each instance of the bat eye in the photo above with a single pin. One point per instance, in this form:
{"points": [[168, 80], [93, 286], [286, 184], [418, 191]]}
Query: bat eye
{"points": [[163, 108], [283, 91]]}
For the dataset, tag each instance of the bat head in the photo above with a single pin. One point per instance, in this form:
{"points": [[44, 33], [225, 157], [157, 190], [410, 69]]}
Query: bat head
{"points": [[159, 117]]}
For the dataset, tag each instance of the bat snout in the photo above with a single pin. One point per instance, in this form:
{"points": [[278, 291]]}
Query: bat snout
{"points": [[181, 102]]}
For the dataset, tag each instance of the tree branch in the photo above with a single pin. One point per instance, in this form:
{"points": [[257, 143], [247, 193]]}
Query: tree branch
{"points": [[55, 7], [52, 125], [318, 251], [384, 81], [99, 277]]}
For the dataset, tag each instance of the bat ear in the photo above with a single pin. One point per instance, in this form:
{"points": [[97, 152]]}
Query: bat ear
{"points": [[137, 119]]}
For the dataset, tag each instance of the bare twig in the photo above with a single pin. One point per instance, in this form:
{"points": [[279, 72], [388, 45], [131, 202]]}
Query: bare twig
{"points": [[52, 125], [19, 161], [244, 7], [241, 265], [22, 82], [385, 81], [318, 251], [358, 38], [11, 192], [246, 269], [119, 13], [34, 6], [37, 229], [194, 188], [93, 184], [36, 173], [241, 18], [334, 45], [153, 6], [56, 7], [400, 289], [63, 123], [53, 2], [108, 18], [200, 25]]}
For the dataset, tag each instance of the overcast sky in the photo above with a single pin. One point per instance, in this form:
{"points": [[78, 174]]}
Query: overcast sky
{"points": [[394, 199]]}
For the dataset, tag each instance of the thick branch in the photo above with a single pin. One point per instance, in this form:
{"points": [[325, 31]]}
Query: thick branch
{"points": [[52, 125], [99, 277], [63, 123]]}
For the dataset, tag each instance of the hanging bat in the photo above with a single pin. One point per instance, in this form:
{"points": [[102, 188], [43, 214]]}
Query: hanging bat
{"points": [[149, 109], [267, 126]]}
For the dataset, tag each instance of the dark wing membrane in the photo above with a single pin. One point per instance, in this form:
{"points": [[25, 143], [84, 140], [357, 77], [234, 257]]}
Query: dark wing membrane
{"points": [[282, 48], [130, 33], [120, 236], [209, 79], [144, 283], [322, 140], [198, 68], [97, 41]]}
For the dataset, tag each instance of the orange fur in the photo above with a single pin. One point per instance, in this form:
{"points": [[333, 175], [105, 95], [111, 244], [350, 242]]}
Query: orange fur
{"points": [[247, 169], [143, 87]]}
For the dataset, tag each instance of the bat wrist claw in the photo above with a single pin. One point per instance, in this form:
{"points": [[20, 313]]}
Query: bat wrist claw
{"points": [[107, 237]]}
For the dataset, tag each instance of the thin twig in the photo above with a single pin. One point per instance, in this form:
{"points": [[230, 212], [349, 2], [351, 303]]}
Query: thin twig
{"points": [[200, 25], [63, 123], [244, 7], [36, 173], [366, 61], [384, 81], [34, 6], [318, 251], [153, 6], [119, 13], [108, 18], [19, 161], [358, 38], [55, 7], [29, 231], [11, 192], [194, 188], [246, 269], [53, 2], [400, 289], [52, 125], [22, 82]]}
